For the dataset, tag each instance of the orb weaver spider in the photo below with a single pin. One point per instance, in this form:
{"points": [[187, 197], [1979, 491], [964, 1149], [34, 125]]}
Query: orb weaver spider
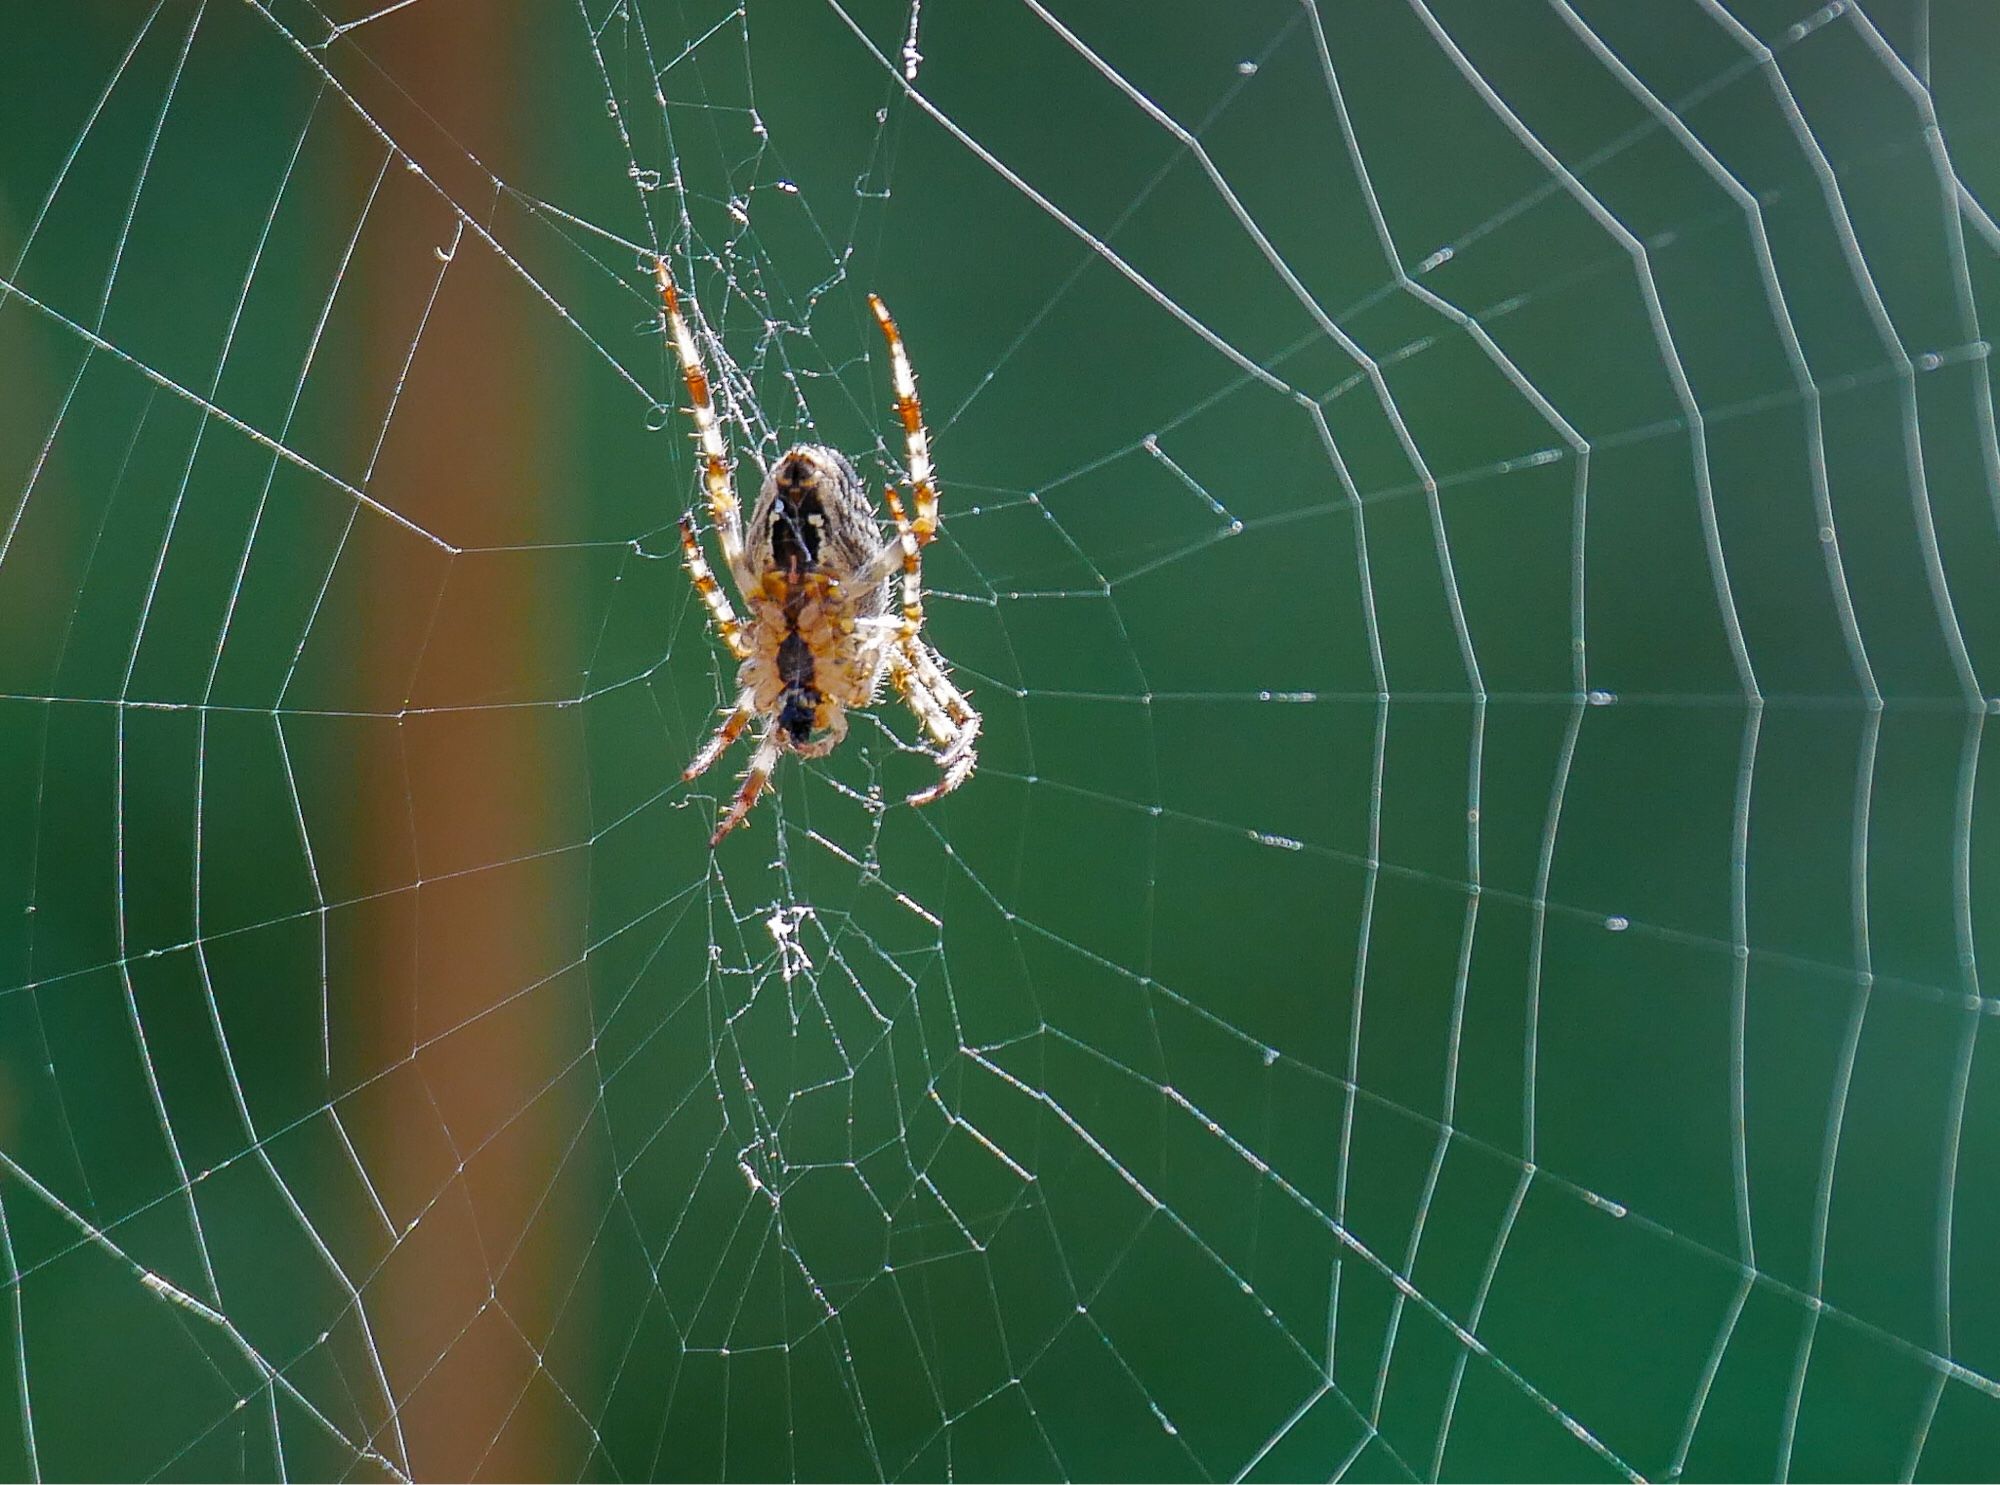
{"points": [[814, 571]]}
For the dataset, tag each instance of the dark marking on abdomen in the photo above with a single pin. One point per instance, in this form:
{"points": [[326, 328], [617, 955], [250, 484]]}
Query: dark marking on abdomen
{"points": [[798, 519]]}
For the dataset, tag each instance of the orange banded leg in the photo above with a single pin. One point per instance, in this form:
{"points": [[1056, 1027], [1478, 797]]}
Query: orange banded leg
{"points": [[722, 506], [726, 623], [733, 722], [761, 763], [946, 715], [958, 710], [916, 438], [901, 552]]}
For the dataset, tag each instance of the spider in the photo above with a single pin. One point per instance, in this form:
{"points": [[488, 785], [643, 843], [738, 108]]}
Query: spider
{"points": [[814, 570]]}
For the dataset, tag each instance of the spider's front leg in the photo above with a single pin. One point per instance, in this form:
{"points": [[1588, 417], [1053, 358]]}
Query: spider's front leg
{"points": [[723, 508], [913, 534], [916, 438], [719, 610]]}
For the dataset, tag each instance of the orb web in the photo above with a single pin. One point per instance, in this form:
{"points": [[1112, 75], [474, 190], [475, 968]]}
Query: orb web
{"points": [[1473, 533]]}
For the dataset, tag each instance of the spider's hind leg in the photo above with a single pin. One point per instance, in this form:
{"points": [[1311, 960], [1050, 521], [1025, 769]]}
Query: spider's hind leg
{"points": [[733, 722], [761, 763], [720, 613]]}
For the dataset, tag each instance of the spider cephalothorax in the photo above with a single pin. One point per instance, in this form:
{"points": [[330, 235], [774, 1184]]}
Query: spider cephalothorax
{"points": [[814, 569]]}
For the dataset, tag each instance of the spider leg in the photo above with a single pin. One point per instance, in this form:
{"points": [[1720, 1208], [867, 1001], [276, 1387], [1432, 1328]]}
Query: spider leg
{"points": [[945, 713], [719, 610], [912, 534], [761, 763], [905, 553], [916, 438], [722, 504], [733, 722], [958, 710]]}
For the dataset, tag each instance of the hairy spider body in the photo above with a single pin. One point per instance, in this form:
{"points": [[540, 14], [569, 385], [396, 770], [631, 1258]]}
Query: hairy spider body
{"points": [[810, 632], [814, 569]]}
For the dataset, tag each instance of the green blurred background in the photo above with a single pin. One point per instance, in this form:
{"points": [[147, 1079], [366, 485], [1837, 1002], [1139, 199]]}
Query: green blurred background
{"points": [[1472, 527]]}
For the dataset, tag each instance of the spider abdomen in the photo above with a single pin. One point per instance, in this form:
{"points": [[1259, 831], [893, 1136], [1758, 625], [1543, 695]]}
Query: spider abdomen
{"points": [[812, 515]]}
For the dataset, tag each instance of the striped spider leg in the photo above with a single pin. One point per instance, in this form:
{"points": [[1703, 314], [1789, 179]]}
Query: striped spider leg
{"points": [[916, 669]]}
